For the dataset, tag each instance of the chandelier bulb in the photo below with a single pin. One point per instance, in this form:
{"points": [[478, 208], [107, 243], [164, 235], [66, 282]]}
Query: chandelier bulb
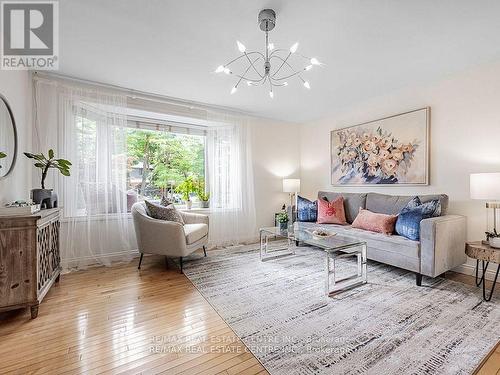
{"points": [[293, 48], [219, 69], [233, 90], [241, 47], [271, 94], [315, 61], [249, 83], [270, 46], [227, 71], [285, 83], [309, 67], [307, 85]]}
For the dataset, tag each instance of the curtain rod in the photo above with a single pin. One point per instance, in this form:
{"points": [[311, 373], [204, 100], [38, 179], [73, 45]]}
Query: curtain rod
{"points": [[137, 94]]}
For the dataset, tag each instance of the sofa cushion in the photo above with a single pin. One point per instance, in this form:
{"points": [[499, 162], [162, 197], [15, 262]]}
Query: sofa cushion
{"points": [[352, 202], [393, 204], [307, 210], [375, 222], [195, 232], [331, 212], [408, 223]]}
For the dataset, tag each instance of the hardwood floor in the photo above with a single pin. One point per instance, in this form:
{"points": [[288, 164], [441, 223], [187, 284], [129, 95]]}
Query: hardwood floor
{"points": [[121, 320]]}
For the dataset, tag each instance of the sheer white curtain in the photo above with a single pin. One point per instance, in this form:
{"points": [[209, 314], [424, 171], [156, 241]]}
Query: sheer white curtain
{"points": [[87, 127], [230, 177]]}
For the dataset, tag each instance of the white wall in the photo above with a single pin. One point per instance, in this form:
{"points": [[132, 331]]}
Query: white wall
{"points": [[465, 127], [276, 154], [15, 86]]}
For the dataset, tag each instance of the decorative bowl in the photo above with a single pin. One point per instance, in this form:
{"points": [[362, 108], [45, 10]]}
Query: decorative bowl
{"points": [[319, 233]]}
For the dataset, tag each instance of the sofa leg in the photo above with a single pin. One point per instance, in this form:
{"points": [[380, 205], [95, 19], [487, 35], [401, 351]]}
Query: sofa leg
{"points": [[180, 263], [204, 250], [166, 262], [140, 261], [296, 243], [419, 279]]}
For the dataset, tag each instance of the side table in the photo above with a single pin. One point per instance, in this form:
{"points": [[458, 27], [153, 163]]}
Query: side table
{"points": [[484, 253]]}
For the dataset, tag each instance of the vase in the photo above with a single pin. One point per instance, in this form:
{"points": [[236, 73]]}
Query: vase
{"points": [[284, 226], [189, 204], [495, 242], [46, 198], [205, 204]]}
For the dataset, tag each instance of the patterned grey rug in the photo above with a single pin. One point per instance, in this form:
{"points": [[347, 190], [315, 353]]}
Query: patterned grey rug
{"points": [[388, 326]]}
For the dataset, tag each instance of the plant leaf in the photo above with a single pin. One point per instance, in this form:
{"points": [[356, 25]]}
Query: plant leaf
{"points": [[64, 172], [39, 165], [29, 155], [51, 154]]}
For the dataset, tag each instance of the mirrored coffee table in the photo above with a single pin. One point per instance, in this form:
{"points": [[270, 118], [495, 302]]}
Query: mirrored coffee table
{"points": [[336, 247]]}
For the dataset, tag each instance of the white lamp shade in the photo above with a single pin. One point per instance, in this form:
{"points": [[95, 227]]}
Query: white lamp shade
{"points": [[291, 185], [485, 186]]}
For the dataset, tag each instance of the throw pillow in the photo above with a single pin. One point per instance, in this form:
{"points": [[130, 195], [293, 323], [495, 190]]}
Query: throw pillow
{"points": [[408, 223], [168, 213], [307, 210], [331, 212], [375, 222], [165, 201]]}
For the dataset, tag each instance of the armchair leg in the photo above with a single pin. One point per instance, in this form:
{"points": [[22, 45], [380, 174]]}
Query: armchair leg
{"points": [[204, 250], [180, 263], [140, 261]]}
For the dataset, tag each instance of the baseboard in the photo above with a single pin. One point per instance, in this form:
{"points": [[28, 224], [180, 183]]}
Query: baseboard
{"points": [[468, 269], [89, 261]]}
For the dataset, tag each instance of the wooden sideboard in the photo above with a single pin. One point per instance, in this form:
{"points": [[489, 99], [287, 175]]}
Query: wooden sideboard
{"points": [[30, 260]]}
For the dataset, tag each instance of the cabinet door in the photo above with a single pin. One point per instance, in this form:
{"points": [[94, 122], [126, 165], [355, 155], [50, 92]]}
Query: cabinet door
{"points": [[17, 254]]}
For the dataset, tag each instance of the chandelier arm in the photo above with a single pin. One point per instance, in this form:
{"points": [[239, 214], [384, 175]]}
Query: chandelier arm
{"points": [[283, 63], [278, 84], [295, 72], [242, 77], [239, 57], [277, 50], [253, 66]]}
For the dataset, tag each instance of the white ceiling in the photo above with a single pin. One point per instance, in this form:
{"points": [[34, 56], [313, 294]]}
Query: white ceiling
{"points": [[370, 47]]}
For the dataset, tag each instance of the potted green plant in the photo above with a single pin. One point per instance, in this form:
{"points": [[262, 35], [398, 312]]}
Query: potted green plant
{"points": [[185, 188], [203, 195], [43, 195], [282, 219]]}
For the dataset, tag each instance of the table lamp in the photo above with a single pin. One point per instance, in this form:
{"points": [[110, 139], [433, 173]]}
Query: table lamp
{"points": [[291, 186], [486, 186]]}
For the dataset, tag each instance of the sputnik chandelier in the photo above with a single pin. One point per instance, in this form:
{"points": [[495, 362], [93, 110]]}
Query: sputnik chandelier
{"points": [[276, 65]]}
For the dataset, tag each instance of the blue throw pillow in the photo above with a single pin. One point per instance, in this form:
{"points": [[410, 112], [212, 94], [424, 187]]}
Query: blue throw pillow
{"points": [[408, 223], [306, 210]]}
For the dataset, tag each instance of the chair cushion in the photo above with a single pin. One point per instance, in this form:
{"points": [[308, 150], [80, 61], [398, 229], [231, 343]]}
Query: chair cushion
{"points": [[168, 213], [195, 232]]}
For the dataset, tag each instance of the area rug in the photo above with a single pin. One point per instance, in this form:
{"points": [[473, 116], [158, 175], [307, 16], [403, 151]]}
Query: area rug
{"points": [[389, 326]]}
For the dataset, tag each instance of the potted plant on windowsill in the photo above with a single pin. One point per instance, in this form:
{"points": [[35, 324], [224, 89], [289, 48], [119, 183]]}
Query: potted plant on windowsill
{"points": [[185, 188], [203, 195], [44, 196], [282, 219]]}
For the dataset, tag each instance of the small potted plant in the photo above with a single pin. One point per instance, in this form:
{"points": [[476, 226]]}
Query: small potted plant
{"points": [[203, 195], [185, 188], [282, 219], [2, 155], [43, 196], [493, 239]]}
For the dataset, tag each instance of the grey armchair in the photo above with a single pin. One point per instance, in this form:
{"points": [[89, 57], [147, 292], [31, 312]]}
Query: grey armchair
{"points": [[169, 238]]}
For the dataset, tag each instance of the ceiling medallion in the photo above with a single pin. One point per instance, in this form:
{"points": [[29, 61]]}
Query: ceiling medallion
{"points": [[274, 67]]}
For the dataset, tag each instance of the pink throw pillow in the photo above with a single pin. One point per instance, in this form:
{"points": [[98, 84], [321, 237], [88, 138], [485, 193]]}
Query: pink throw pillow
{"points": [[331, 212], [374, 222]]}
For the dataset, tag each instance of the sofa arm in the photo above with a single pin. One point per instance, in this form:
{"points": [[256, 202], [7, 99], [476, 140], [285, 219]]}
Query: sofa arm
{"points": [[192, 218], [442, 244]]}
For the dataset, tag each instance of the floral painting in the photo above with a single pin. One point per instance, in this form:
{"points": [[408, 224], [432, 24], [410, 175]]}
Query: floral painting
{"points": [[389, 151]]}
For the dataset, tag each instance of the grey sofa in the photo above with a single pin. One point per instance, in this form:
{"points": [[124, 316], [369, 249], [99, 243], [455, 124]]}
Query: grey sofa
{"points": [[442, 239], [169, 238]]}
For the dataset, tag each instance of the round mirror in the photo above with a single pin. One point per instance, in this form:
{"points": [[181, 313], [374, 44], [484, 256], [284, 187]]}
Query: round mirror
{"points": [[8, 139]]}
